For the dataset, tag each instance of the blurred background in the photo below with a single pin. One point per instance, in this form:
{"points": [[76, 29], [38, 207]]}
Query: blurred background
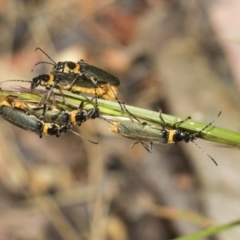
{"points": [[180, 56]]}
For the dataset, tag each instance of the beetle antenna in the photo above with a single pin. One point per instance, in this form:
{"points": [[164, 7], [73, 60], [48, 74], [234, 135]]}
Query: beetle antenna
{"points": [[205, 152], [40, 63], [16, 80], [210, 123], [45, 54], [79, 135], [51, 63]]}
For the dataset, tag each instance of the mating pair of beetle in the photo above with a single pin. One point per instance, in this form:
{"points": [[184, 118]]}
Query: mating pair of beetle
{"points": [[79, 77], [46, 119]]}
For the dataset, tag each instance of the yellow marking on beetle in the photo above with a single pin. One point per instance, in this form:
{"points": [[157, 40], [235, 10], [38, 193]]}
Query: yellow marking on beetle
{"points": [[171, 135], [114, 127], [70, 70], [73, 116], [46, 127], [105, 91], [64, 87], [111, 93], [17, 103], [51, 81], [4, 102]]}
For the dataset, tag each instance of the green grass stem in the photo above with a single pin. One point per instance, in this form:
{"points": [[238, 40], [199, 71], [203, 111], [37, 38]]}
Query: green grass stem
{"points": [[113, 112]]}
